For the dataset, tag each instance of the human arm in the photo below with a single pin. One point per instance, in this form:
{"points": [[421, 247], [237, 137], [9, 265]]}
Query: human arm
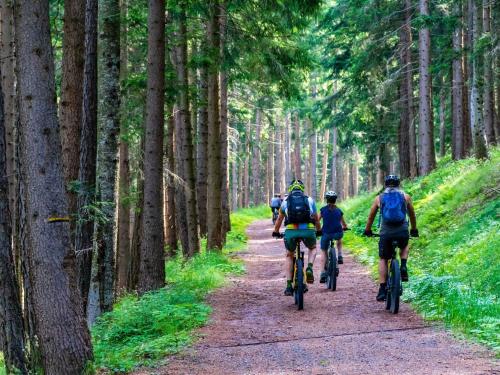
{"points": [[411, 214], [371, 216], [344, 224], [279, 221]]}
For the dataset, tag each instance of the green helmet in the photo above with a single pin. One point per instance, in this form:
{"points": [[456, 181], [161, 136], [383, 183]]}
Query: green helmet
{"points": [[296, 185]]}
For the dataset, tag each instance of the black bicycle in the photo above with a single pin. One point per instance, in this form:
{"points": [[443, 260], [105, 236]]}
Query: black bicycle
{"points": [[298, 285], [332, 266], [275, 215], [394, 284]]}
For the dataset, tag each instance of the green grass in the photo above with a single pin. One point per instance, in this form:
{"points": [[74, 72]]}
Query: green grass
{"points": [[455, 264], [2, 365], [142, 331]]}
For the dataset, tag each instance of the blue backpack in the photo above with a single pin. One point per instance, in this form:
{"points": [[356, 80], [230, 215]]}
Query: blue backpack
{"points": [[393, 208]]}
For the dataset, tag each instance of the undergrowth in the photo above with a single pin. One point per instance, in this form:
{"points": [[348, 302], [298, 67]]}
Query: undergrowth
{"points": [[142, 331], [454, 265]]}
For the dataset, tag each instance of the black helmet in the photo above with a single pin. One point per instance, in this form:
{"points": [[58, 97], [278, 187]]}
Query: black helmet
{"points": [[331, 197], [392, 181]]}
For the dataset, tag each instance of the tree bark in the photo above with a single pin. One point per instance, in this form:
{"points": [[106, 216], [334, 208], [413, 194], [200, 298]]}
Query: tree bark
{"points": [[467, 67], [202, 152], [458, 146], [355, 171], [101, 294], [70, 104], [187, 153], [256, 183], [270, 165], [246, 168], [171, 233], [324, 164], [214, 204], [488, 103], [10, 112], [426, 154], [223, 76], [278, 156], [296, 151], [442, 123], [477, 122], [64, 339], [288, 159], [406, 112], [123, 245], [11, 323], [313, 157], [152, 259], [339, 166], [88, 154]]}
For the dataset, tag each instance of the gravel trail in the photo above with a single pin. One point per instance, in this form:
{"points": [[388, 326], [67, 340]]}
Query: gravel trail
{"points": [[255, 329]]}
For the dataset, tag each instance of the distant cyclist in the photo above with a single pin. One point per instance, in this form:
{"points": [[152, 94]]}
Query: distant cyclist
{"points": [[301, 221], [394, 205], [333, 228], [275, 205]]}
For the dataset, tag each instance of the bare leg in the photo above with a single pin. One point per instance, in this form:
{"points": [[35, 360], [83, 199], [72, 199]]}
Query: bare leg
{"points": [[339, 247], [288, 265], [404, 252], [324, 259], [382, 270], [311, 256]]}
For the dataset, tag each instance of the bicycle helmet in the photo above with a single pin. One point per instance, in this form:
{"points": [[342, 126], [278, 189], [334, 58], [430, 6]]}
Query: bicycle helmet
{"points": [[296, 185], [392, 181], [331, 197]]}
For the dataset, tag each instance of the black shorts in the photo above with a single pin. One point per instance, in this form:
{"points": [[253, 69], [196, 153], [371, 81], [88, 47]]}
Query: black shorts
{"points": [[385, 244]]}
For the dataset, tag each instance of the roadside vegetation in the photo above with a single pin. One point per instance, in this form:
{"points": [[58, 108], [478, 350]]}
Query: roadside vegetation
{"points": [[141, 331], [454, 266]]}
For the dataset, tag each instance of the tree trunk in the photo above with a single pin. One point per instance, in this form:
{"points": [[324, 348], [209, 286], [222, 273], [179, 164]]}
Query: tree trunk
{"points": [[324, 164], [214, 204], [70, 104], [123, 245], [335, 160], [202, 152], [339, 167], [256, 183], [64, 339], [88, 154], [270, 165], [313, 157], [288, 159], [10, 112], [406, 112], [426, 154], [467, 67], [101, 294], [278, 156], [11, 323], [477, 122], [457, 92], [171, 233], [442, 124], [241, 188], [152, 259], [246, 168], [488, 103], [297, 159], [234, 186], [355, 171], [226, 225]]}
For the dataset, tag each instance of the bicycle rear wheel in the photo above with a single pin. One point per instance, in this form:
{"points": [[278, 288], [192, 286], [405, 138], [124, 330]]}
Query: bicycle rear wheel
{"points": [[299, 285], [395, 286], [332, 270]]}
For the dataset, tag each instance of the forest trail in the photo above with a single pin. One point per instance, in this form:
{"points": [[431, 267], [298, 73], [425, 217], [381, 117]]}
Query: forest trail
{"points": [[255, 329]]}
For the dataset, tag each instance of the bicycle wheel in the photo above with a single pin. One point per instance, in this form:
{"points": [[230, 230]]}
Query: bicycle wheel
{"points": [[332, 270], [395, 287], [299, 286]]}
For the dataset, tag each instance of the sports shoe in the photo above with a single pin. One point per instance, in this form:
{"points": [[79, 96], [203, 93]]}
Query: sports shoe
{"points": [[322, 278], [309, 275], [382, 293], [404, 273], [340, 260], [289, 291]]}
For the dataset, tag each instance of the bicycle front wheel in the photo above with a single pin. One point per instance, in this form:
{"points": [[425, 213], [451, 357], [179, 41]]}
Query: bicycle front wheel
{"points": [[395, 286], [332, 270], [299, 285]]}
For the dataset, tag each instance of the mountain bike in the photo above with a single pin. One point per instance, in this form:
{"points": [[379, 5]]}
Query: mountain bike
{"points": [[332, 270], [298, 285], [394, 284]]}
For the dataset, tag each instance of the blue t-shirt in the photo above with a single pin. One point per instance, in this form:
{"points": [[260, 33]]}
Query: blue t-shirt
{"points": [[331, 220]]}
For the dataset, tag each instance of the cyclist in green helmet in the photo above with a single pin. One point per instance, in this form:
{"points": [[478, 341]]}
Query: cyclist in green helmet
{"points": [[301, 220]]}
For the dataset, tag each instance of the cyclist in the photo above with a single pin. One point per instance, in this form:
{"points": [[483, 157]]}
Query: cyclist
{"points": [[301, 221], [275, 204], [394, 205], [333, 228]]}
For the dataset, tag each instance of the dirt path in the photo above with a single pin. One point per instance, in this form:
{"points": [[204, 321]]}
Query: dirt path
{"points": [[255, 329]]}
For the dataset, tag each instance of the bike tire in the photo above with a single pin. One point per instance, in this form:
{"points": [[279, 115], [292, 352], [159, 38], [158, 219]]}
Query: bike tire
{"points": [[299, 287], [395, 288], [332, 270]]}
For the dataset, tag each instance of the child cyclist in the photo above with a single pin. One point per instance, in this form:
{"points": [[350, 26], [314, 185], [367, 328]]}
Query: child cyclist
{"points": [[334, 226]]}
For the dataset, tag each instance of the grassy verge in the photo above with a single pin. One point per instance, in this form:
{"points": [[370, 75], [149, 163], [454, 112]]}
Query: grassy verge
{"points": [[454, 265], [142, 331]]}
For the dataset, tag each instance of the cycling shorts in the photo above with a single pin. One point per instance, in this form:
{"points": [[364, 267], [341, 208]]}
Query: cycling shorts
{"points": [[385, 244], [326, 238], [307, 235]]}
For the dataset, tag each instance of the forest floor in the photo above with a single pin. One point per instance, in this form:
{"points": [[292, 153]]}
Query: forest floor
{"points": [[255, 329]]}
